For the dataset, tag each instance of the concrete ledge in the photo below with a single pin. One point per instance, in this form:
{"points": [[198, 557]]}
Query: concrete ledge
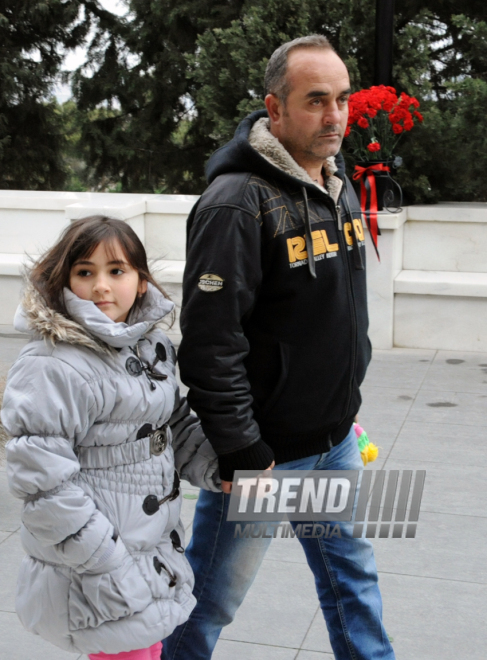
{"points": [[122, 211], [171, 204], [36, 199], [388, 220], [441, 283], [11, 264], [455, 323], [449, 212], [170, 272]]}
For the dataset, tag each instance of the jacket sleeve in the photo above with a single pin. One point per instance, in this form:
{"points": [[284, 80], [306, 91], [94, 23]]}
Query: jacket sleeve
{"points": [[194, 457], [224, 241], [47, 406]]}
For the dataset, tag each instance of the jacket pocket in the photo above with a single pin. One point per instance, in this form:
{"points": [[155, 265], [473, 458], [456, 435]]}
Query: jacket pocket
{"points": [[281, 381], [97, 598], [267, 368]]}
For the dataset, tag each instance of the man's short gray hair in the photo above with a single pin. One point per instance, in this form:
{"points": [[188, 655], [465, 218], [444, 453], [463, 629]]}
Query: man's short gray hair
{"points": [[275, 80]]}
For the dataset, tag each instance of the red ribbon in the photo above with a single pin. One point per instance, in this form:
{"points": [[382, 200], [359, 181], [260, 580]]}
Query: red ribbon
{"points": [[367, 184]]}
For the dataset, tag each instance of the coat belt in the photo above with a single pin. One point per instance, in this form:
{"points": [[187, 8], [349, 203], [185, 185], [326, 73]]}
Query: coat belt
{"points": [[137, 451]]}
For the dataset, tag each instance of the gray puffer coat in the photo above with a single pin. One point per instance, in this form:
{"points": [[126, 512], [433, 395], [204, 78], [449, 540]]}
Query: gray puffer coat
{"points": [[92, 457]]}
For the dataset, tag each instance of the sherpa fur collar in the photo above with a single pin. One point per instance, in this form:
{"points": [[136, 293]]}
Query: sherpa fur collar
{"points": [[55, 327], [262, 140]]}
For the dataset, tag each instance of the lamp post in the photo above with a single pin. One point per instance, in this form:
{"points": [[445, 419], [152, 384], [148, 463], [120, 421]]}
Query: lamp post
{"points": [[384, 37]]}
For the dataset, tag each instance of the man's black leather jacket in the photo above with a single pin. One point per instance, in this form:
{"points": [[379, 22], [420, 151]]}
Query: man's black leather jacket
{"points": [[273, 353]]}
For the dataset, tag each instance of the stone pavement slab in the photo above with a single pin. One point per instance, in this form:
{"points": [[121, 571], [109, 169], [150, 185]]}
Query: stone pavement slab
{"points": [[4, 535], [449, 488], [449, 407], [10, 507], [188, 507], [17, 644], [286, 550], [433, 619], [11, 554], [279, 608], [230, 650], [452, 444], [401, 367], [316, 639], [445, 546], [459, 372], [434, 587], [9, 349]]}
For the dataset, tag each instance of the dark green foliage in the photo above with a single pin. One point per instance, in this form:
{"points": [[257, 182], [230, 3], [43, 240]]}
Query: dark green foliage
{"points": [[167, 84], [228, 69], [448, 161], [32, 35], [147, 136]]}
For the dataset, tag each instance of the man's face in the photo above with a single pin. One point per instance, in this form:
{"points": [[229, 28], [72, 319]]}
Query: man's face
{"points": [[312, 122]]}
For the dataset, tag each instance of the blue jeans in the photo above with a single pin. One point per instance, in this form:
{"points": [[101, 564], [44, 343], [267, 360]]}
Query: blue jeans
{"points": [[225, 567]]}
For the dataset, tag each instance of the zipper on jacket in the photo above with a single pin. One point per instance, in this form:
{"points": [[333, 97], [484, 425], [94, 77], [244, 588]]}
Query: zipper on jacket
{"points": [[351, 299], [339, 216], [357, 257]]}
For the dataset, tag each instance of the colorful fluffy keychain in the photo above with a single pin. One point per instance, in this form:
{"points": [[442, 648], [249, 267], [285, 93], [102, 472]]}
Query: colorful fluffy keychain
{"points": [[368, 451]]}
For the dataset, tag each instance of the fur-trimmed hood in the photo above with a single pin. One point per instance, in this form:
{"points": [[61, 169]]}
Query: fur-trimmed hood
{"points": [[262, 140], [88, 326], [254, 149]]}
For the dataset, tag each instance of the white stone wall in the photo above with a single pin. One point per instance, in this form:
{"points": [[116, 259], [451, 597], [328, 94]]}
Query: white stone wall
{"points": [[31, 221], [428, 291]]}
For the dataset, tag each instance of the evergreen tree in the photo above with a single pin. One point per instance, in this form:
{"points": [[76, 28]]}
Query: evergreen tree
{"points": [[140, 127], [33, 35], [440, 57], [167, 84]]}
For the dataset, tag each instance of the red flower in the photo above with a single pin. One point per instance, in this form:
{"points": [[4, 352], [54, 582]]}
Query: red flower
{"points": [[369, 108]]}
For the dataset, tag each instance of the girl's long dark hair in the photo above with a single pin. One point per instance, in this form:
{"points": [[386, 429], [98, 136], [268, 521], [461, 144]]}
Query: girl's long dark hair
{"points": [[50, 274]]}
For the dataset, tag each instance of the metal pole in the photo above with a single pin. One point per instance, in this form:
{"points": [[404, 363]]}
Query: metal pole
{"points": [[384, 38]]}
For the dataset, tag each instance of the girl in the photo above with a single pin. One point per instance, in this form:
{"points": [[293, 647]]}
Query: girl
{"points": [[94, 414]]}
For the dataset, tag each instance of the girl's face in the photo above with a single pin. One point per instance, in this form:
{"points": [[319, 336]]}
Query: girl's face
{"points": [[108, 280]]}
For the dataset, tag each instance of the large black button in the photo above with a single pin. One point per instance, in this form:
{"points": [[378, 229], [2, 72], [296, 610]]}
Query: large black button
{"points": [[176, 541], [161, 351], [150, 505], [133, 366]]}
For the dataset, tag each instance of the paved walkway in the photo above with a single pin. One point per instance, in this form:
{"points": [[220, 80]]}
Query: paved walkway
{"points": [[426, 410]]}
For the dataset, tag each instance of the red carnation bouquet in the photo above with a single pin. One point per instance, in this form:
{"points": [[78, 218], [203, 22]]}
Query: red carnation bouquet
{"points": [[377, 119]]}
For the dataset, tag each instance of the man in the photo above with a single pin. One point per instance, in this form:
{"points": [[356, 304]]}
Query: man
{"points": [[275, 344]]}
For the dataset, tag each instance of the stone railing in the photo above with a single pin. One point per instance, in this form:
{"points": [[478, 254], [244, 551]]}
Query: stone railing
{"points": [[428, 291]]}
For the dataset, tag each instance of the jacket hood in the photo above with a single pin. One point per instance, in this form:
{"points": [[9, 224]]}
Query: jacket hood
{"points": [[88, 326], [262, 154]]}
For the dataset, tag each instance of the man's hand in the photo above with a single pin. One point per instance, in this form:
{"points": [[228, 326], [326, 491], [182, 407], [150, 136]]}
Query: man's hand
{"points": [[227, 485]]}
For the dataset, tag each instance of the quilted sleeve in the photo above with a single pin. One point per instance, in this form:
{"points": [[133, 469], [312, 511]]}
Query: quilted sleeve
{"points": [[47, 407]]}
